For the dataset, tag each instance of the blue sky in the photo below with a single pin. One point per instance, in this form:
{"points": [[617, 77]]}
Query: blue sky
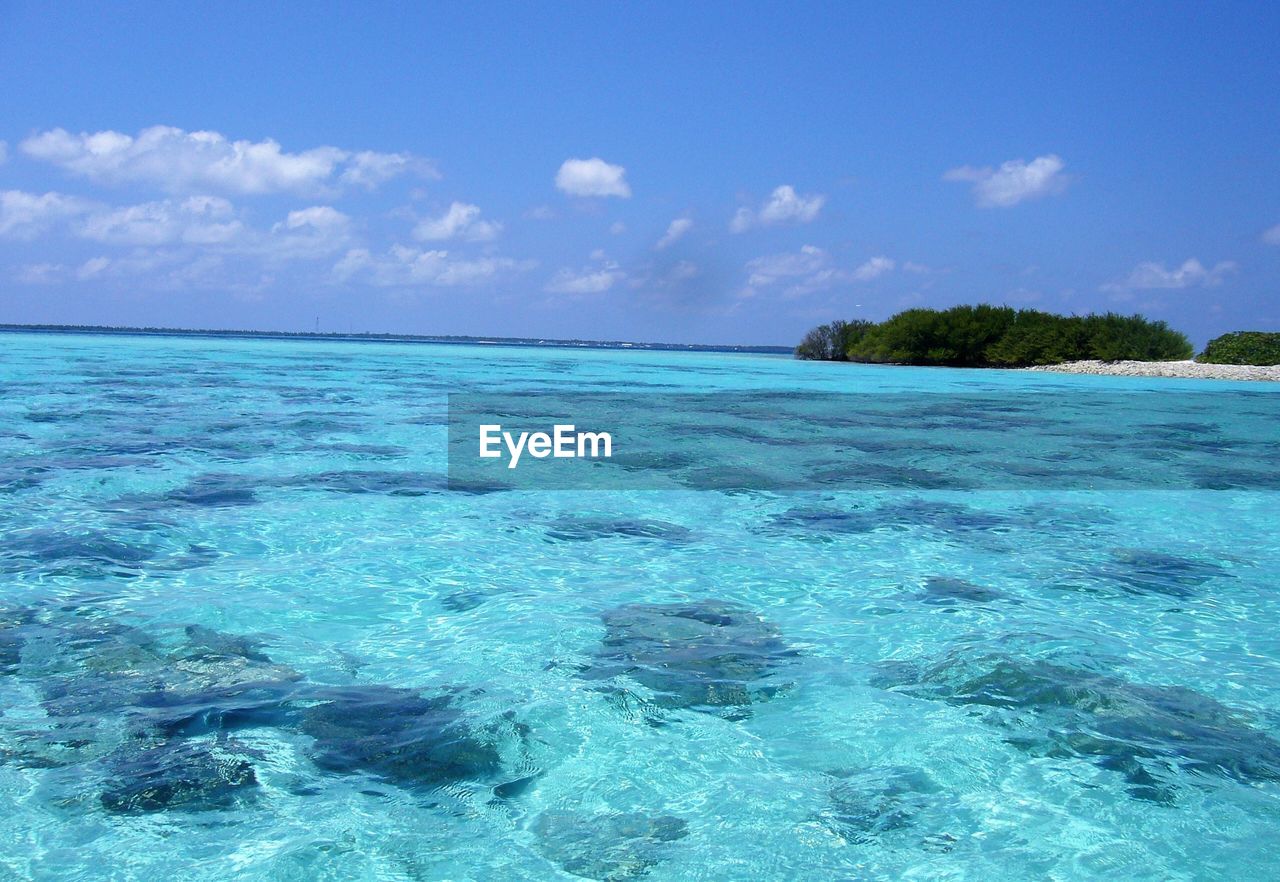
{"points": [[676, 172]]}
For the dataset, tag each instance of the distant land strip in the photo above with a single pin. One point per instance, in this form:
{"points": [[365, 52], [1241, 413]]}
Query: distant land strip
{"points": [[394, 338]]}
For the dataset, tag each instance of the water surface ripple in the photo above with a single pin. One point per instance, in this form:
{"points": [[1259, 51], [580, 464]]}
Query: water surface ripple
{"points": [[247, 631]]}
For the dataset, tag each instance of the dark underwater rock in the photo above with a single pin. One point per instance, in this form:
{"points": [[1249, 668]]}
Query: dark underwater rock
{"points": [[705, 655], [607, 846], [1141, 571], [218, 682], [944, 591], [80, 645], [951, 518], [219, 643], [217, 709], [728, 479], [586, 529], [462, 601], [176, 775], [15, 479], [948, 517], [869, 803], [364, 451], [819, 524], [360, 481], [879, 475], [86, 554], [215, 491], [1147, 733], [99, 678], [12, 622], [89, 670], [406, 738]]}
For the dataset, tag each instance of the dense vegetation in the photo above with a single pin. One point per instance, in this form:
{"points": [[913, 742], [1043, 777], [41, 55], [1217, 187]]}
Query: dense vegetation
{"points": [[995, 336], [1243, 347], [832, 342]]}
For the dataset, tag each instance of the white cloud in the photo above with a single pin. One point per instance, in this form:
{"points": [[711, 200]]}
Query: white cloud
{"points": [[40, 273], [592, 177], [92, 267], [768, 270], [1192, 274], [589, 280], [918, 268], [617, 228], [1014, 181], [876, 266], [201, 220], [402, 266], [461, 221], [808, 270], [210, 224], [167, 269], [1272, 236], [784, 205], [371, 170], [317, 217], [306, 233], [540, 213], [25, 215], [181, 161], [675, 230]]}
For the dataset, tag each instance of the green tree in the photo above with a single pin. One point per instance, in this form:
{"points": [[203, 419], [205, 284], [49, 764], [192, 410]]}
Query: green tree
{"points": [[831, 342], [995, 336], [1243, 347]]}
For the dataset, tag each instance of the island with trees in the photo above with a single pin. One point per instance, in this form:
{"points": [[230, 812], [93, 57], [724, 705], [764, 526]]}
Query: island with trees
{"points": [[995, 336]]}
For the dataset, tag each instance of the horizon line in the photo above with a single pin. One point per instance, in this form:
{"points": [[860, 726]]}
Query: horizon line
{"points": [[391, 337]]}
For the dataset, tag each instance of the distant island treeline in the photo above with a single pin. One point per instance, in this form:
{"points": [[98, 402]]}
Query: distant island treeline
{"points": [[994, 336], [395, 338]]}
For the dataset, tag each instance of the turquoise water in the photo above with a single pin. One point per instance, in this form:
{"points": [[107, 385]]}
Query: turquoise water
{"points": [[247, 631]]}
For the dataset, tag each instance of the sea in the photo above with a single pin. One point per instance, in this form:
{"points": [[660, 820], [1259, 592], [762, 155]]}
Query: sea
{"points": [[259, 620]]}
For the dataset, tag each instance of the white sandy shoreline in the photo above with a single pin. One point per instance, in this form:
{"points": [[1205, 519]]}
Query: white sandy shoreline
{"points": [[1165, 369]]}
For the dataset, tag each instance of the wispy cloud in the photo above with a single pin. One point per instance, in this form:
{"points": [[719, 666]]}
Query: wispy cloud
{"points": [[196, 220], [808, 270], [784, 205], [370, 170], [595, 279], [675, 230], [593, 177], [1272, 236], [1014, 181], [27, 215], [876, 266], [179, 161], [315, 232], [460, 221], [402, 266], [1192, 274]]}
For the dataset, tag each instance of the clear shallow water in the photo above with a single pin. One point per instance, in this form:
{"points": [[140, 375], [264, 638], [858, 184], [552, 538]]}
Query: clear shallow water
{"points": [[245, 632]]}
